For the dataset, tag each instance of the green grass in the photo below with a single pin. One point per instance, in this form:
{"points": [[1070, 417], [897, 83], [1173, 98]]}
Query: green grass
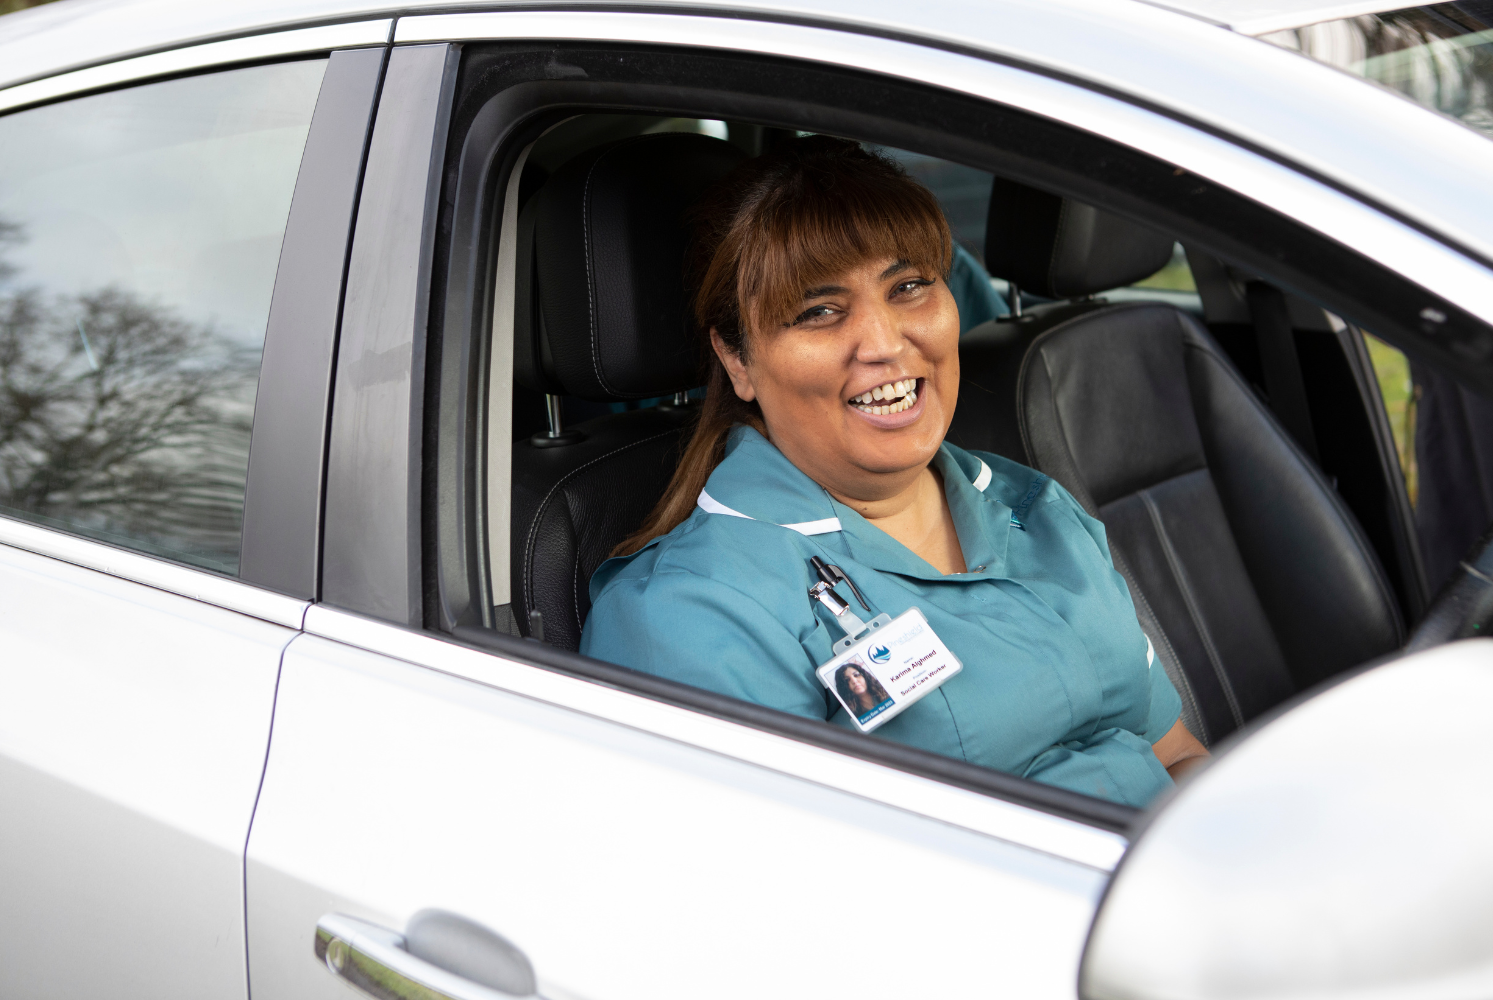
{"points": [[1393, 373], [1176, 276], [11, 6]]}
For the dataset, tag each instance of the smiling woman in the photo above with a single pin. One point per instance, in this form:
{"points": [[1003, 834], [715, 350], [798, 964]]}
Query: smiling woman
{"points": [[820, 282]]}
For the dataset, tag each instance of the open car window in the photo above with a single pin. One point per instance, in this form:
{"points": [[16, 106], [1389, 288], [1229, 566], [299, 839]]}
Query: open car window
{"points": [[1257, 287]]}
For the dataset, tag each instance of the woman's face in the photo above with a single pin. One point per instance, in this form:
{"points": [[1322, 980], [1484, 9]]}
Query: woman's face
{"points": [[854, 681], [822, 375]]}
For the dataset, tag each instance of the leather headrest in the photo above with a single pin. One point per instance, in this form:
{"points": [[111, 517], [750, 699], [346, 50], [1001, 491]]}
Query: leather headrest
{"points": [[1062, 249], [600, 310]]}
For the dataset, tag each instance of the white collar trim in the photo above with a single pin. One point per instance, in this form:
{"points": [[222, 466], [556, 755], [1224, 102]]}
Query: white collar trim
{"points": [[711, 505], [983, 479]]}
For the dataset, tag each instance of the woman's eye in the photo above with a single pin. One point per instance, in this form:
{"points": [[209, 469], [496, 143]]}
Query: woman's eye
{"points": [[816, 312], [907, 287]]}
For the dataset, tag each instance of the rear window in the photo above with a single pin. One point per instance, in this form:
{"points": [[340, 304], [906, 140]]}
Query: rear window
{"points": [[140, 232]]}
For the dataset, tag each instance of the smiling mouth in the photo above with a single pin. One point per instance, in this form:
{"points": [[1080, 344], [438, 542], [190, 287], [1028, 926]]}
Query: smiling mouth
{"points": [[894, 397]]}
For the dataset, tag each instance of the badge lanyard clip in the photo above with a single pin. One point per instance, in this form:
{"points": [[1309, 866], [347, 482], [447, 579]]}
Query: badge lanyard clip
{"points": [[824, 593]]}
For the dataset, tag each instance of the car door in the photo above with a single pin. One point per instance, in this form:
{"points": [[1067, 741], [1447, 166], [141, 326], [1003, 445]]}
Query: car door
{"points": [[628, 847], [141, 236], [626, 838]]}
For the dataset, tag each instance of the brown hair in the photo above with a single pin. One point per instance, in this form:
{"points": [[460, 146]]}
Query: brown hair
{"points": [[810, 209]]}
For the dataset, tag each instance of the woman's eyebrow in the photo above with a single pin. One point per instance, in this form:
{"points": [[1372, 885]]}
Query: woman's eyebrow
{"points": [[897, 266], [821, 291]]}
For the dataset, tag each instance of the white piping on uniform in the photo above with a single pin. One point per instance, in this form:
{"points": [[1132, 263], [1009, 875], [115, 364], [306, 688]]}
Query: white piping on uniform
{"points": [[711, 505]]}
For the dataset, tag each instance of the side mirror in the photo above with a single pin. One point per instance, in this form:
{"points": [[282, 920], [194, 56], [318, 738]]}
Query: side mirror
{"points": [[1342, 850]]}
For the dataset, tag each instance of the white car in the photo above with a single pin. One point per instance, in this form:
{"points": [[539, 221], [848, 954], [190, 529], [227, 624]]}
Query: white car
{"points": [[306, 459]]}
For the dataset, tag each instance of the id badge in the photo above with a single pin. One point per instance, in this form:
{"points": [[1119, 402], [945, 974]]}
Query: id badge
{"points": [[894, 664]]}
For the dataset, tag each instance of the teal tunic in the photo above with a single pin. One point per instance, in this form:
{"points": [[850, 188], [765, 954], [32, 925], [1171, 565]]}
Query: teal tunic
{"points": [[1058, 682]]}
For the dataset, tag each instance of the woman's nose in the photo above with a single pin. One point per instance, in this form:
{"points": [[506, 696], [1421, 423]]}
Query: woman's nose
{"points": [[881, 336]]}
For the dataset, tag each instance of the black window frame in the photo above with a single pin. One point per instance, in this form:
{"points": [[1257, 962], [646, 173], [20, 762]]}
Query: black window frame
{"points": [[280, 548], [507, 93]]}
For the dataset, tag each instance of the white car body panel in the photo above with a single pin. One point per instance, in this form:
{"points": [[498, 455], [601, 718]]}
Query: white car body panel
{"points": [[133, 728], [196, 57], [123, 564], [626, 864], [1062, 838]]}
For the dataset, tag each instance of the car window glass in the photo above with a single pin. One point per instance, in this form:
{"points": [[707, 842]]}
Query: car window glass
{"points": [[1392, 371], [1173, 284], [141, 230], [1440, 55], [963, 193]]}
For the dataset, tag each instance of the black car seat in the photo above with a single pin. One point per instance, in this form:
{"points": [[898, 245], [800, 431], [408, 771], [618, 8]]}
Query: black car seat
{"points": [[1251, 577], [600, 315]]}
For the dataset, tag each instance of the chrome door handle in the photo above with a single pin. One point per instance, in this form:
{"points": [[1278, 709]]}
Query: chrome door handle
{"points": [[441, 956]]}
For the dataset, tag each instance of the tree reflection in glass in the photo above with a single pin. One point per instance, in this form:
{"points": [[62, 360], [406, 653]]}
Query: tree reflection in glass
{"points": [[139, 234], [122, 421]]}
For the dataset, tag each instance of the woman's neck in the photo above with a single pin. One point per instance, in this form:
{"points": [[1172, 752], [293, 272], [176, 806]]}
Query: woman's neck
{"points": [[918, 516]]}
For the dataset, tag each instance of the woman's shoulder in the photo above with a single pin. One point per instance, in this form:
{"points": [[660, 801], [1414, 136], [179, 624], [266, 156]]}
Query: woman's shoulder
{"points": [[739, 550]]}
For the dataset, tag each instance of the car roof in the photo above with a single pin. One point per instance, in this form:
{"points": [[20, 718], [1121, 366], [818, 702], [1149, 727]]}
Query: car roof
{"points": [[70, 34]]}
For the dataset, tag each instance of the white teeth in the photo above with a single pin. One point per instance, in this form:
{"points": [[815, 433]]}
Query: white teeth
{"points": [[897, 396]]}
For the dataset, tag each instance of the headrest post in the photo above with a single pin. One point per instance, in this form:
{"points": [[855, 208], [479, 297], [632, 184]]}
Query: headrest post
{"points": [[1014, 291], [681, 398], [557, 436]]}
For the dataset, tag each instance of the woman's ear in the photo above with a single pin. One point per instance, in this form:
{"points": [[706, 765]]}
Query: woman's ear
{"points": [[741, 381]]}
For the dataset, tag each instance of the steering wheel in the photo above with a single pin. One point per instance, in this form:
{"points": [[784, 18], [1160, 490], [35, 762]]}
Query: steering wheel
{"points": [[1464, 608]]}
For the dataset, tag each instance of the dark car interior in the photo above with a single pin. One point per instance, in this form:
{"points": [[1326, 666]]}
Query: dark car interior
{"points": [[1232, 441]]}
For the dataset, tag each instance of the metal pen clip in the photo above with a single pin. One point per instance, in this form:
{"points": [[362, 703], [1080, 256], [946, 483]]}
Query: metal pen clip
{"points": [[847, 619], [832, 574], [824, 593]]}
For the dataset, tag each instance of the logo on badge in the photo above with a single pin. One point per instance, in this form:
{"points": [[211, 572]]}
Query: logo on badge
{"points": [[879, 654]]}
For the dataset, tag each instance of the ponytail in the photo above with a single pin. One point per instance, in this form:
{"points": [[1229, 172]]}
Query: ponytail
{"points": [[721, 411]]}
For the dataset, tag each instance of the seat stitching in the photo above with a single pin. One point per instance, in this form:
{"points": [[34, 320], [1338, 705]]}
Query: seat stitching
{"points": [[1057, 239], [1184, 585], [544, 504], [586, 253], [1334, 502], [1186, 693], [590, 279], [1077, 486], [575, 591]]}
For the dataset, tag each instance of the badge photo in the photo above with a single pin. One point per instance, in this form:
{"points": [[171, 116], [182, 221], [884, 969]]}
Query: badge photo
{"points": [[888, 669], [859, 690]]}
